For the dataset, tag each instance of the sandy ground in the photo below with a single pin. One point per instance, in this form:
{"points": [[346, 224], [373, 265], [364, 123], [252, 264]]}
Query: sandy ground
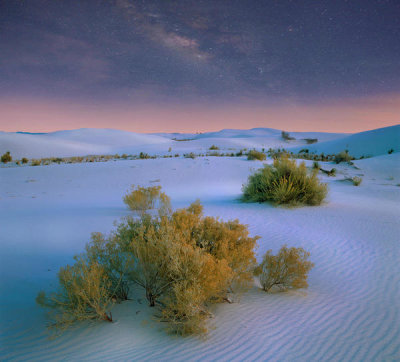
{"points": [[349, 312]]}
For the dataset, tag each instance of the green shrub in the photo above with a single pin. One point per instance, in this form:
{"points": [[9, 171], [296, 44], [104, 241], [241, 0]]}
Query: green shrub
{"points": [[311, 140], [343, 157], [214, 147], [189, 155], [24, 160], [36, 162], [286, 136], [286, 270], [356, 180], [390, 151], [284, 183], [6, 157], [316, 165], [256, 155], [143, 156]]}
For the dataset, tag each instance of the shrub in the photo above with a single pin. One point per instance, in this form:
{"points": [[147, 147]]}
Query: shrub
{"points": [[214, 147], [24, 160], [356, 180], [286, 136], [189, 155], [143, 199], [331, 172], [284, 183], [316, 165], [183, 261], [311, 140], [343, 157], [6, 157], [390, 151], [286, 270], [84, 294], [36, 162], [256, 155], [143, 156]]}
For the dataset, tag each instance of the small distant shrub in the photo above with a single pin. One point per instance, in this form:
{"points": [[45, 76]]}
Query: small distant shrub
{"points": [[215, 154], [170, 149], [285, 183], [124, 156], [176, 155], [356, 180], [256, 155], [17, 163], [286, 270], [143, 156], [286, 136], [190, 155], [143, 199], [316, 165], [57, 160], [390, 151], [36, 162], [343, 157], [214, 147], [240, 153], [311, 140], [278, 153], [6, 157], [24, 160], [304, 150], [331, 172]]}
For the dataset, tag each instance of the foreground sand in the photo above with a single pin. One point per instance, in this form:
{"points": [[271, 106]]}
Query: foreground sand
{"points": [[350, 311]]}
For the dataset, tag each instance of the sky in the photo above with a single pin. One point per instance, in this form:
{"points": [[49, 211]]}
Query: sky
{"points": [[199, 65]]}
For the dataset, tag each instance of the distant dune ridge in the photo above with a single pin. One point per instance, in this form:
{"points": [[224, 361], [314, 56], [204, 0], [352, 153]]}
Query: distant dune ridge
{"points": [[86, 141]]}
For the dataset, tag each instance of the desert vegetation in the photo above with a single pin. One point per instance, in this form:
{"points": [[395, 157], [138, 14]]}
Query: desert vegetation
{"points": [[213, 147], [256, 155], [6, 157], [356, 180], [286, 270], [343, 157], [286, 136], [310, 141], [184, 262], [285, 183]]}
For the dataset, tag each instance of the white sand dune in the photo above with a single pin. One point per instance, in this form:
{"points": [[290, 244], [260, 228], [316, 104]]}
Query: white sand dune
{"points": [[350, 312], [82, 142], [369, 143], [78, 142]]}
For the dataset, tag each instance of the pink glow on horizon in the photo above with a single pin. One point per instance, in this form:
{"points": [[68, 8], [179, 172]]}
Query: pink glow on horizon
{"points": [[350, 116]]}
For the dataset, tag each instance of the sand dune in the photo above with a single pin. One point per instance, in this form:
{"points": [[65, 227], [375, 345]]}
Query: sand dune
{"points": [[369, 143], [78, 142]]}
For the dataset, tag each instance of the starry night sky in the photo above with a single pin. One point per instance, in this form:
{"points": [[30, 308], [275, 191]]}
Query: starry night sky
{"points": [[147, 55]]}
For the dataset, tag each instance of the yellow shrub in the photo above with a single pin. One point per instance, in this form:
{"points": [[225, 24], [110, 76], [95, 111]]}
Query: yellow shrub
{"points": [[143, 199], [84, 294], [286, 270]]}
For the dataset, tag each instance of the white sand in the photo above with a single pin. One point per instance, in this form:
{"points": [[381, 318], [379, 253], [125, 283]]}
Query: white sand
{"points": [[349, 312]]}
